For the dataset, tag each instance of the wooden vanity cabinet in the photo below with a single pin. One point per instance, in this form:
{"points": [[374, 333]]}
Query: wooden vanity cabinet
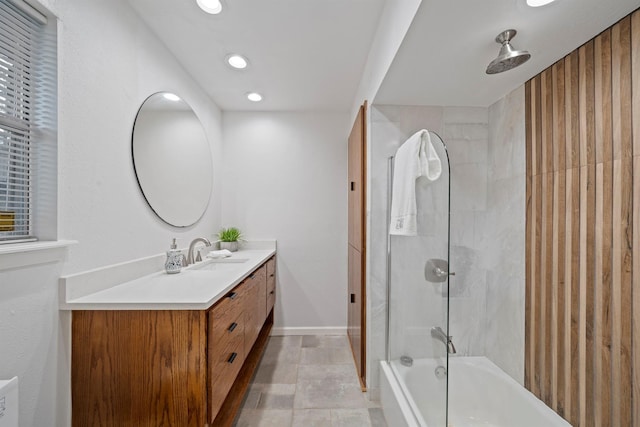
{"points": [[149, 368]]}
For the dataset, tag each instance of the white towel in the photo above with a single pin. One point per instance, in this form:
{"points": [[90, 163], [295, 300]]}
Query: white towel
{"points": [[416, 157], [223, 253], [429, 160]]}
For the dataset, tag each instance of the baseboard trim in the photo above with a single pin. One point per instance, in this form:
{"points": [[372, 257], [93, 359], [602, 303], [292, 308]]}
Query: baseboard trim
{"points": [[325, 330]]}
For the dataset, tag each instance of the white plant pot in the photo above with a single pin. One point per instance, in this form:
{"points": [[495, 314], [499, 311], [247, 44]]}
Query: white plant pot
{"points": [[231, 246]]}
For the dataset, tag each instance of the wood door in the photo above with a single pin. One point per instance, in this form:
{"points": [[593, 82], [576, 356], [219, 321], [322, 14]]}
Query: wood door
{"points": [[355, 308], [356, 317]]}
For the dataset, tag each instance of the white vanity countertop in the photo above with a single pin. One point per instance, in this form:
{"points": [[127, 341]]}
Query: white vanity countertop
{"points": [[196, 287]]}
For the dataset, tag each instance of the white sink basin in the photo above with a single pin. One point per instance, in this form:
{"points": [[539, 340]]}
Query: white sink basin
{"points": [[228, 260], [221, 264]]}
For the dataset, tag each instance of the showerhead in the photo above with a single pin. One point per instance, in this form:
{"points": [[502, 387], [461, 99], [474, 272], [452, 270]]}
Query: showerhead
{"points": [[508, 57]]}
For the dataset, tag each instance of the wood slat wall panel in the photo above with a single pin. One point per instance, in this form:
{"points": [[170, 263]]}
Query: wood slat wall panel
{"points": [[528, 129], [636, 292], [604, 153], [559, 213], [572, 108], [589, 274], [537, 288], [553, 298], [635, 107], [546, 303], [626, 267], [587, 230], [559, 289], [621, 88], [602, 72], [572, 144], [528, 324], [603, 295], [559, 126], [582, 342], [622, 233], [586, 102], [583, 206], [574, 417], [635, 88], [536, 93], [536, 242], [546, 118]]}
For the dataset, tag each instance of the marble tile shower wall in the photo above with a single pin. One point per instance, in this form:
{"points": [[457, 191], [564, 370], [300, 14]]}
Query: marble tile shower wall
{"points": [[504, 243], [465, 132], [466, 135]]}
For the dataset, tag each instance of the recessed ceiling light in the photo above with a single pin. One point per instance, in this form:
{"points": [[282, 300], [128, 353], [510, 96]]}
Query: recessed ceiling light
{"points": [[237, 61], [171, 97], [210, 6], [254, 96], [538, 3]]}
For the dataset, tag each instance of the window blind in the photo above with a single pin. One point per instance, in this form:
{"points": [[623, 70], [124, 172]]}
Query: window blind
{"points": [[21, 39]]}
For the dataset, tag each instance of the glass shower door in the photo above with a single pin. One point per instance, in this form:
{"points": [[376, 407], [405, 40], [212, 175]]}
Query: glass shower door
{"points": [[418, 290]]}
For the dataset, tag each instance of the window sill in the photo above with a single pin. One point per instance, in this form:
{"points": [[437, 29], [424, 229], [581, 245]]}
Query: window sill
{"points": [[18, 255]]}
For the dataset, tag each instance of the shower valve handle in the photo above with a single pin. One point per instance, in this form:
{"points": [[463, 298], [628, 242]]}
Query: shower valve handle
{"points": [[442, 273]]}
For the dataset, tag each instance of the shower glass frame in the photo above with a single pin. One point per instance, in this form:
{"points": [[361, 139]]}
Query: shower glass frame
{"points": [[391, 242]]}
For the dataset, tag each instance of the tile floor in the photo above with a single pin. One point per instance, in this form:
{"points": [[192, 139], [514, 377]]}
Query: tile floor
{"points": [[308, 381]]}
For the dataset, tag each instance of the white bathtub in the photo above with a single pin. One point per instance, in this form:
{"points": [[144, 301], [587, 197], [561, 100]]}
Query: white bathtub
{"points": [[480, 394]]}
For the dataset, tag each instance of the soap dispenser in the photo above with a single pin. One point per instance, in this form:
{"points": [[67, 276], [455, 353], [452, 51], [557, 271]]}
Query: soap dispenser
{"points": [[174, 259]]}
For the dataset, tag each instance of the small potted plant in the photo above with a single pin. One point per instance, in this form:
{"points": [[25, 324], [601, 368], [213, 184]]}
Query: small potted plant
{"points": [[229, 238]]}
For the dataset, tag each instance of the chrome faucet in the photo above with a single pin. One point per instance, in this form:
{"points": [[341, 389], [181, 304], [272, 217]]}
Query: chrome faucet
{"points": [[438, 333], [190, 259]]}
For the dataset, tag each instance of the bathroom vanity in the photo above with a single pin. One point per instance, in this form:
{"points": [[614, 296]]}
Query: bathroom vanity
{"points": [[173, 350]]}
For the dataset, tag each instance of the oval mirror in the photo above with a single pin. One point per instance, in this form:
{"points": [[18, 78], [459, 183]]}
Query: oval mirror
{"points": [[172, 159]]}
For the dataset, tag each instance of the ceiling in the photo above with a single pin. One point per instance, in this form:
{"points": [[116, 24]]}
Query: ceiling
{"points": [[310, 54], [443, 57], [303, 54]]}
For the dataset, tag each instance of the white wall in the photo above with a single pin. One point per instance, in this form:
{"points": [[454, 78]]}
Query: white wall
{"points": [[395, 19], [285, 177], [109, 62]]}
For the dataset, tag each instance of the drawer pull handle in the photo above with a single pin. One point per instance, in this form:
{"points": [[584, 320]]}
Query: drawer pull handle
{"points": [[271, 275], [232, 295], [272, 292], [232, 357], [252, 275], [232, 327]]}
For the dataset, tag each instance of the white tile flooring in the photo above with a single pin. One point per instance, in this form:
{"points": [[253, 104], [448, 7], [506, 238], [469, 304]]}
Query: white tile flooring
{"points": [[308, 381]]}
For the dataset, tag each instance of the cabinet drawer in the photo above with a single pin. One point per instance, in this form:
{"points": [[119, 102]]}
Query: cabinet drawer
{"points": [[225, 360], [254, 315], [271, 271], [229, 307], [271, 300], [255, 312], [271, 283], [257, 277], [225, 328]]}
